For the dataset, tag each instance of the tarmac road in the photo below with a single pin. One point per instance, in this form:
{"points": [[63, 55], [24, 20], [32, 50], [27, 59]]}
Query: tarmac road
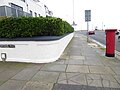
{"points": [[101, 37]]}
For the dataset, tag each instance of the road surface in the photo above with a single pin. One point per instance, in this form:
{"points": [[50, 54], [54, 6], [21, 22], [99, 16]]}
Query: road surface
{"points": [[101, 37]]}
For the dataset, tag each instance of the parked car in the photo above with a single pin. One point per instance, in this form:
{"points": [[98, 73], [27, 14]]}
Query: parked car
{"points": [[117, 32], [119, 36], [91, 32]]}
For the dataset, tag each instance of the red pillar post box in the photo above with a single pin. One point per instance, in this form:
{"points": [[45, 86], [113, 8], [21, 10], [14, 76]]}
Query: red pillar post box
{"points": [[110, 42]]}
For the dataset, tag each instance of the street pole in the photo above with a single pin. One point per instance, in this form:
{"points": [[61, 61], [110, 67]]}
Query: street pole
{"points": [[102, 25], [87, 31], [73, 11], [87, 19]]}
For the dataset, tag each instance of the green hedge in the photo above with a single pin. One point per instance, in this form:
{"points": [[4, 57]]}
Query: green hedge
{"points": [[2, 17], [33, 26]]}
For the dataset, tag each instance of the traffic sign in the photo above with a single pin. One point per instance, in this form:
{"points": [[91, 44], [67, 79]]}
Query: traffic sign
{"points": [[87, 15]]}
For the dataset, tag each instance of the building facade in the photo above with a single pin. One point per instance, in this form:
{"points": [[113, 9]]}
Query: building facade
{"points": [[18, 8]]}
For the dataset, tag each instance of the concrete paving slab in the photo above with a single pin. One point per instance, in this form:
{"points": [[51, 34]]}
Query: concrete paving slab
{"points": [[77, 57], [110, 84], [117, 77], [73, 82], [36, 66], [116, 69], [30, 69], [63, 82], [70, 75], [79, 79], [54, 67], [93, 62], [75, 53], [93, 76], [1, 82], [62, 77], [37, 86], [72, 78], [114, 85], [15, 65], [25, 74], [67, 62], [6, 75], [75, 62], [108, 78], [45, 77], [12, 66], [2, 69], [111, 63], [109, 81], [77, 68], [93, 82], [93, 57], [88, 51], [12, 85], [100, 70]]}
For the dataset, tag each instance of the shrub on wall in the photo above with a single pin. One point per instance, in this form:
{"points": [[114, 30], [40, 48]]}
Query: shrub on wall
{"points": [[33, 26], [2, 17]]}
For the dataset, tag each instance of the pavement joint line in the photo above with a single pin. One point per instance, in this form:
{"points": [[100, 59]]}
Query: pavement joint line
{"points": [[77, 83], [3, 82], [53, 71], [11, 76], [89, 69], [19, 80], [66, 67], [53, 86], [86, 79], [66, 77], [116, 79], [112, 70], [34, 74], [77, 73], [58, 77]]}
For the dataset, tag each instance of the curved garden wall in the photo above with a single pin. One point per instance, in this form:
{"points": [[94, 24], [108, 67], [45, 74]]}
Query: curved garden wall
{"points": [[34, 51]]}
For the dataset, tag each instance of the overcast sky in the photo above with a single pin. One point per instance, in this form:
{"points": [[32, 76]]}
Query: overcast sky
{"points": [[103, 12]]}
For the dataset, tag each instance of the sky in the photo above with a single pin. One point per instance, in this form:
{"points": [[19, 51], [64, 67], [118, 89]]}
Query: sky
{"points": [[104, 13]]}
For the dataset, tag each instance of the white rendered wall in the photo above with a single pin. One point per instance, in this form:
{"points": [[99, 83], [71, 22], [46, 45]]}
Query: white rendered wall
{"points": [[33, 6], [35, 51]]}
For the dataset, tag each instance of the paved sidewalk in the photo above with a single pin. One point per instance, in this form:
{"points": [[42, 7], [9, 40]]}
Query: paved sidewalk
{"points": [[82, 66]]}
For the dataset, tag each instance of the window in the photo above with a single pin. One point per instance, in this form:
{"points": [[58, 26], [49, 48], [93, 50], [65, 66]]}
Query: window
{"points": [[16, 10], [16, 7], [39, 15], [23, 0], [35, 14], [31, 14]]}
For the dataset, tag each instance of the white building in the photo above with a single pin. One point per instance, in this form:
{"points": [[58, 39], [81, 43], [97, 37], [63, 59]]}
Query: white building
{"points": [[23, 8]]}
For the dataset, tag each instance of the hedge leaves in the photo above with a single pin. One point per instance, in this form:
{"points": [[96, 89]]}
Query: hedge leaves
{"points": [[33, 26]]}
